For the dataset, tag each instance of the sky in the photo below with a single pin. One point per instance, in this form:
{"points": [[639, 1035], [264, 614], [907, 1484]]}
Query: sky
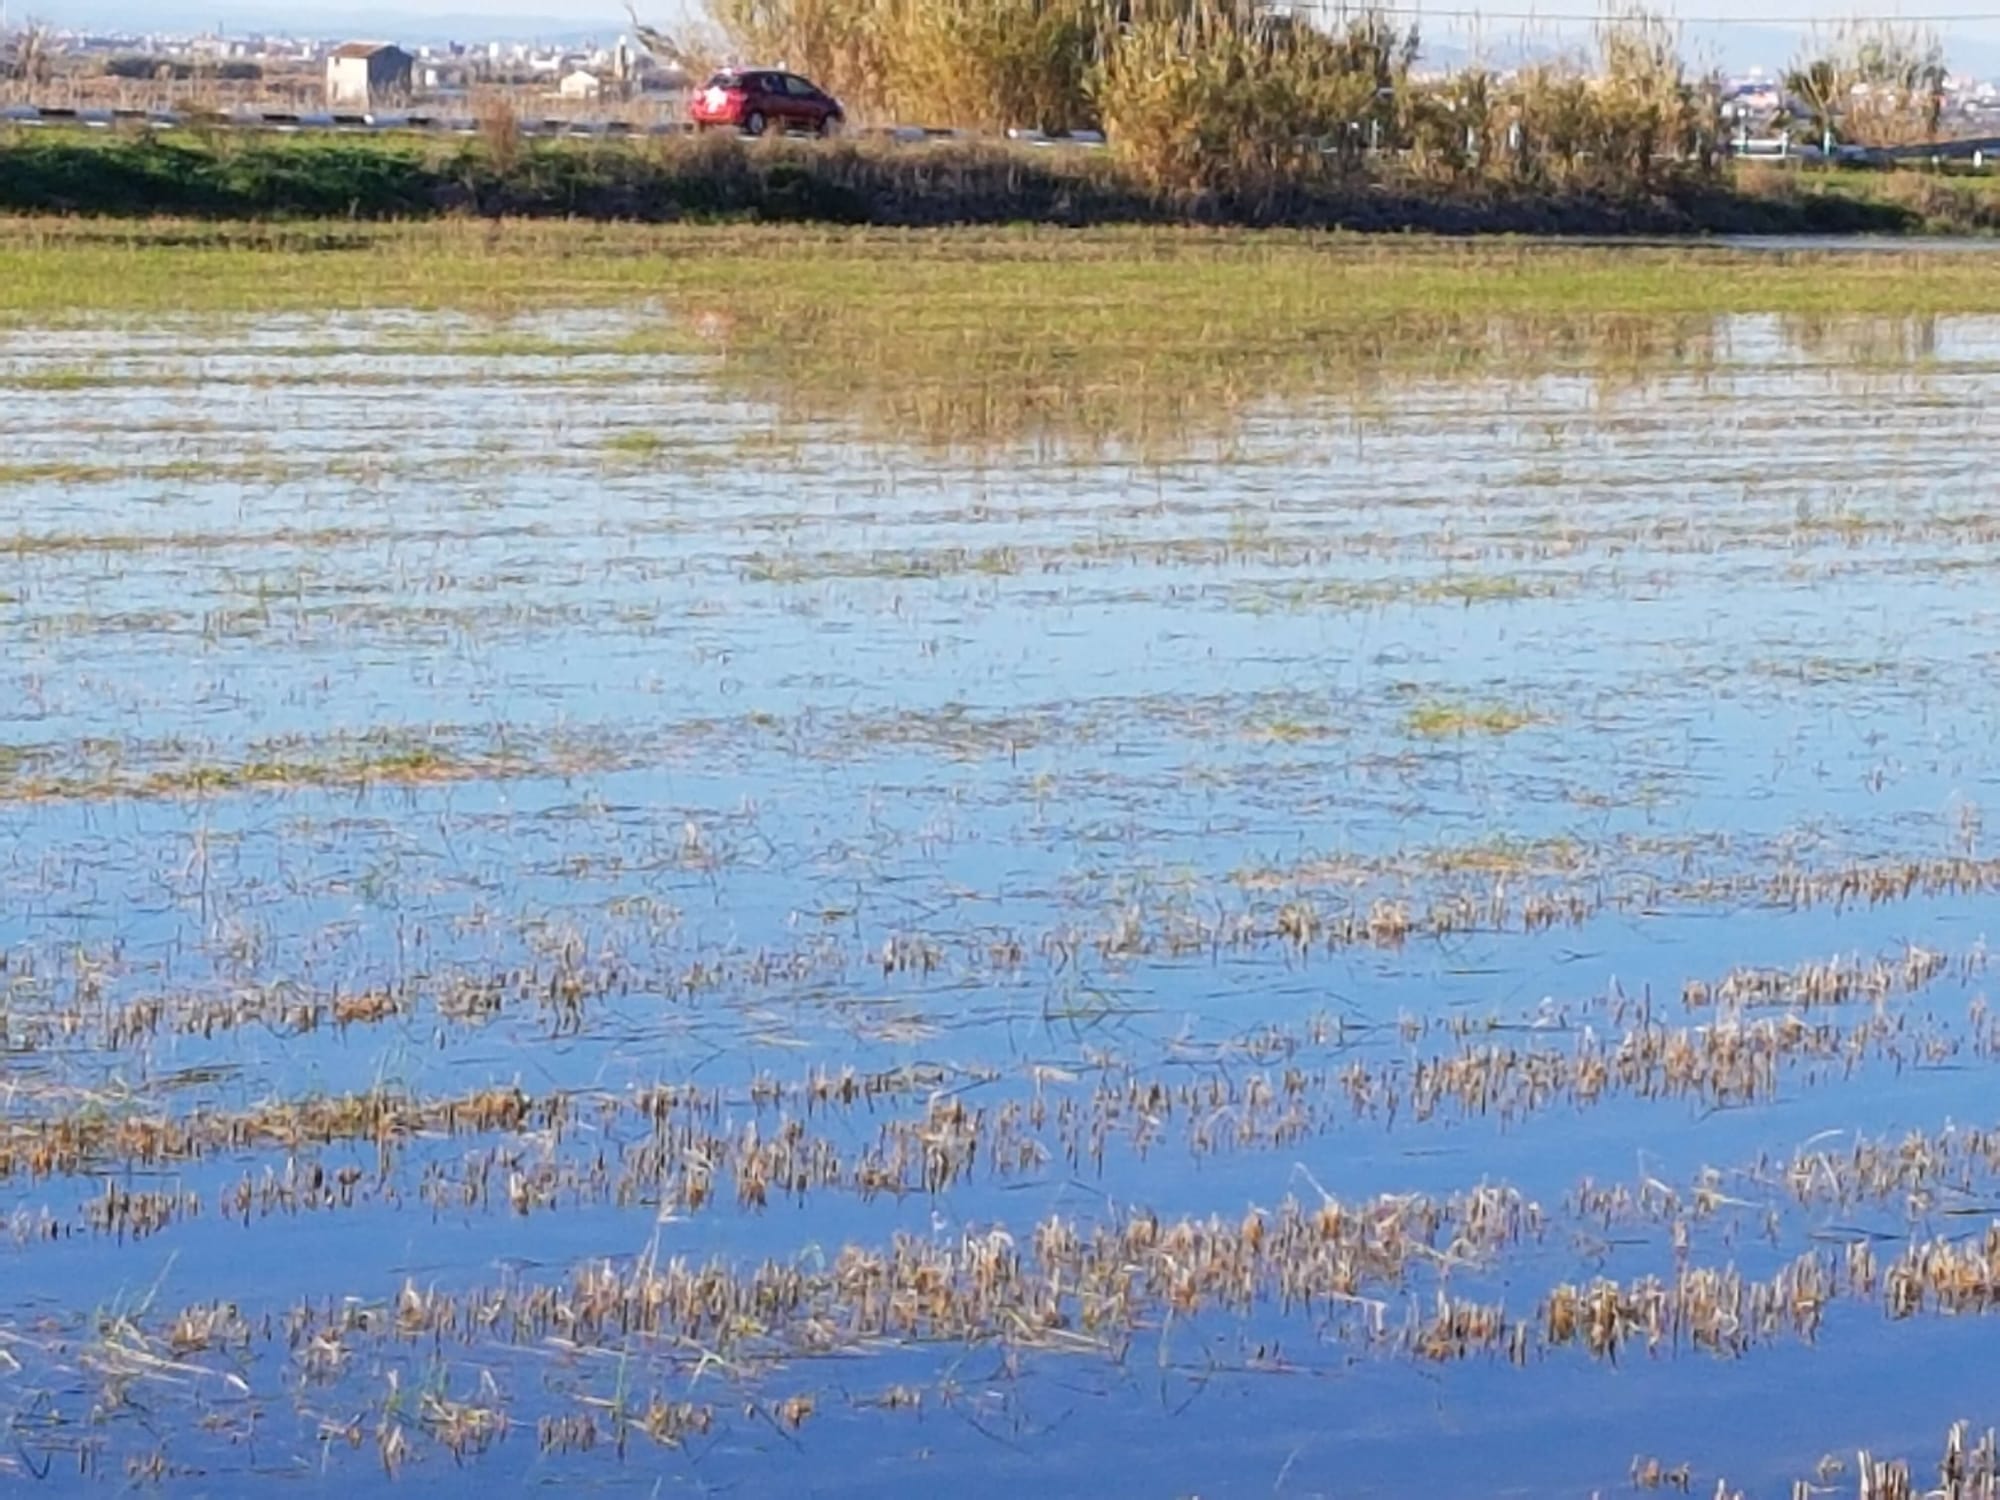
{"points": [[1733, 35], [309, 16]]}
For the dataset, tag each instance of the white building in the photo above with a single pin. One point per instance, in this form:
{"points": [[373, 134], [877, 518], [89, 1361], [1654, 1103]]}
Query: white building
{"points": [[581, 85], [361, 75]]}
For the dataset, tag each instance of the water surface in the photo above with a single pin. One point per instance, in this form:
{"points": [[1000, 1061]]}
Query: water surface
{"points": [[485, 835]]}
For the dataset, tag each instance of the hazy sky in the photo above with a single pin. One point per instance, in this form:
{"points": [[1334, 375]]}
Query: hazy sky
{"points": [[1732, 33], [304, 13], [308, 15], [585, 12]]}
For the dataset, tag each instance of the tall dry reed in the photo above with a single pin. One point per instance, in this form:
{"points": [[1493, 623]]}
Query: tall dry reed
{"points": [[1229, 96], [1872, 83]]}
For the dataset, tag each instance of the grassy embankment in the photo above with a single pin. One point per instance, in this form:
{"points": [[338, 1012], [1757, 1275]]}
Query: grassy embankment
{"points": [[1287, 288], [879, 183]]}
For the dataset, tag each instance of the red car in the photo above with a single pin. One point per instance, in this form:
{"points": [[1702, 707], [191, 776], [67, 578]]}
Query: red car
{"points": [[754, 100]]}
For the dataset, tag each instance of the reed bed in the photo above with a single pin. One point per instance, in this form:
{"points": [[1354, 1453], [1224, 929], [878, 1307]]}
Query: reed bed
{"points": [[578, 981], [781, 1139], [1068, 1288], [1232, 99]]}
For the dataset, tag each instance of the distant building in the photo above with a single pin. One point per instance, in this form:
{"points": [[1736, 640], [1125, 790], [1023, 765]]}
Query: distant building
{"points": [[361, 75], [580, 85]]}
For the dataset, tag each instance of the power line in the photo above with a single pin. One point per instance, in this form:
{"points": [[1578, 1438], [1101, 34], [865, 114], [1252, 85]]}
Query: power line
{"points": [[1366, 7]]}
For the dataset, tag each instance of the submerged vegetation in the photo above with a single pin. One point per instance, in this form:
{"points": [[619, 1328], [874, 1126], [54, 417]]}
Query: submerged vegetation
{"points": [[763, 860], [1153, 338], [1440, 719]]}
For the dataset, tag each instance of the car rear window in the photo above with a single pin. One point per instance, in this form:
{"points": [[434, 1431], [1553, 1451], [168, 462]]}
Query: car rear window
{"points": [[723, 81]]}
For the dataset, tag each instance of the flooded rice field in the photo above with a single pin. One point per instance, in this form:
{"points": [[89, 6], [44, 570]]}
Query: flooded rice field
{"points": [[575, 914]]}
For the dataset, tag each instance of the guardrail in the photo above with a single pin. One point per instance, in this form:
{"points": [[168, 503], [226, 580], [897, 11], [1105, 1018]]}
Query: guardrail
{"points": [[1763, 148], [1978, 150], [286, 122]]}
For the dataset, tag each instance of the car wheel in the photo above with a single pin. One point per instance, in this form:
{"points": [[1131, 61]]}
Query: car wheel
{"points": [[753, 123]]}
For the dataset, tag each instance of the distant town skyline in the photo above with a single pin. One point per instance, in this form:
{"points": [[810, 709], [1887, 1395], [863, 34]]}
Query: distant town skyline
{"points": [[1767, 33], [311, 13], [317, 15]]}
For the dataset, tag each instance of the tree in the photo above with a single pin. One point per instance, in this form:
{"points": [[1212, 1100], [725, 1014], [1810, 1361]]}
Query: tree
{"points": [[689, 58], [26, 58], [1818, 91], [1872, 84]]}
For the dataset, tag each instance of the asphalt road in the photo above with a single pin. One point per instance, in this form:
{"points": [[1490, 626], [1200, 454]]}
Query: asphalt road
{"points": [[282, 122]]}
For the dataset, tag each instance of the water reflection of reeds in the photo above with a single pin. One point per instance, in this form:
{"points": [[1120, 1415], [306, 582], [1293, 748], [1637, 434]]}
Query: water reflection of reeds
{"points": [[899, 379]]}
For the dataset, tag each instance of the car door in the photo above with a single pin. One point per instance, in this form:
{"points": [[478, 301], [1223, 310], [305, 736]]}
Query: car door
{"points": [[773, 102], [805, 105], [760, 98]]}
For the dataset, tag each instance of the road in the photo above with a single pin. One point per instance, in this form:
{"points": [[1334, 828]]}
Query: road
{"points": [[288, 123]]}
